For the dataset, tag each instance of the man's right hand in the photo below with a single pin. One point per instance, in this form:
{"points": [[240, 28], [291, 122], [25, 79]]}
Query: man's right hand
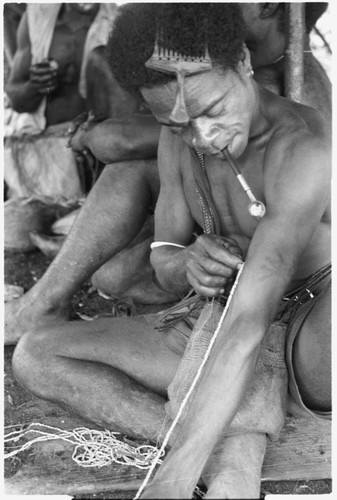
{"points": [[43, 76], [211, 264]]}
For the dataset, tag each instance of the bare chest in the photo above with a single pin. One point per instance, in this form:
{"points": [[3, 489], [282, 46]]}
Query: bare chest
{"points": [[229, 198], [67, 47]]}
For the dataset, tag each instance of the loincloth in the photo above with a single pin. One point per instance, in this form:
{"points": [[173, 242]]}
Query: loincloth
{"points": [[42, 166], [179, 321]]}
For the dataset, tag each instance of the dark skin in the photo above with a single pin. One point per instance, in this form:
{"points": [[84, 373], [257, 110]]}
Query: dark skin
{"points": [[28, 84], [134, 137], [116, 372], [289, 243]]}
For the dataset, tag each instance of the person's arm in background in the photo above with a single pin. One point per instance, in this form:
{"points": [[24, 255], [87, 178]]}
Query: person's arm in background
{"points": [[28, 84], [129, 137]]}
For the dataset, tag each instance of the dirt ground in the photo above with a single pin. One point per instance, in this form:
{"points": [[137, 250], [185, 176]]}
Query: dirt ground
{"points": [[24, 269]]}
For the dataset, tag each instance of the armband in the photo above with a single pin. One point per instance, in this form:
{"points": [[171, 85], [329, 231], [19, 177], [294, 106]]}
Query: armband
{"points": [[157, 244]]}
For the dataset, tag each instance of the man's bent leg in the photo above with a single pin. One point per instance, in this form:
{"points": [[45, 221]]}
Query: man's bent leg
{"points": [[113, 372], [113, 214]]}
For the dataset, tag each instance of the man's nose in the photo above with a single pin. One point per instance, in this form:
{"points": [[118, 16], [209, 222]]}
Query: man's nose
{"points": [[203, 134]]}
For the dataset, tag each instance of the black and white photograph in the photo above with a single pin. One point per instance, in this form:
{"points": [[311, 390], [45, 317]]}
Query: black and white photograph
{"points": [[167, 268]]}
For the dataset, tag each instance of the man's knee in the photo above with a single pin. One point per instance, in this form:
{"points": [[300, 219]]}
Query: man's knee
{"points": [[31, 362], [312, 355]]}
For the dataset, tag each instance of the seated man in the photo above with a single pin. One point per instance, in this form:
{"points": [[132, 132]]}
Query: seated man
{"points": [[116, 372], [135, 137], [58, 46]]}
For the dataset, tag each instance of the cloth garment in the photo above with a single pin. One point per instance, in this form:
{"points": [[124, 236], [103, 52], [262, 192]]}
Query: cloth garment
{"points": [[264, 406], [42, 166], [41, 18]]}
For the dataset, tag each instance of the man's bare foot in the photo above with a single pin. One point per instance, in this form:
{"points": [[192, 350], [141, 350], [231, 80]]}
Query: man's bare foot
{"points": [[29, 312], [165, 488], [234, 468]]}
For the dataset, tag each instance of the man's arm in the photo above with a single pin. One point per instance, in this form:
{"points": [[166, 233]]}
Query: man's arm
{"points": [[296, 198], [130, 137], [27, 84], [173, 220], [209, 262]]}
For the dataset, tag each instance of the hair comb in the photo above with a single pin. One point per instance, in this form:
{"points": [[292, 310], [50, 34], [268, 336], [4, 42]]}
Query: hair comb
{"points": [[170, 61]]}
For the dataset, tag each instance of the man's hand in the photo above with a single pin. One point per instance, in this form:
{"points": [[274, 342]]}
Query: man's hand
{"points": [[211, 264], [43, 76], [79, 129]]}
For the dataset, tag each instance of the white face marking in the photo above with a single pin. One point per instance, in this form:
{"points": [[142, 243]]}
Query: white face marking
{"points": [[219, 106]]}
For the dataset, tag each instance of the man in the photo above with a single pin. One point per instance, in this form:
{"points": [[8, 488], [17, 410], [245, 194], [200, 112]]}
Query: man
{"points": [[57, 76], [135, 137], [57, 71], [116, 372]]}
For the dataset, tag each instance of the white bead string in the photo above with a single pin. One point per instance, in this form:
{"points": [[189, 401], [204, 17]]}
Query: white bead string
{"points": [[93, 448]]}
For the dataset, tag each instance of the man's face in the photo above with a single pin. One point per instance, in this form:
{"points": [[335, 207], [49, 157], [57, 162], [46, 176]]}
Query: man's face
{"points": [[219, 106]]}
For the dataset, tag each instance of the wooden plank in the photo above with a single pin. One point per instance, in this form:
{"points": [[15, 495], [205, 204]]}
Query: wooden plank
{"points": [[302, 452]]}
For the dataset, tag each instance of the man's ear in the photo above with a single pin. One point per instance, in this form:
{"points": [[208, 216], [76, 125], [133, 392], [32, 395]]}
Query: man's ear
{"points": [[246, 62], [268, 9]]}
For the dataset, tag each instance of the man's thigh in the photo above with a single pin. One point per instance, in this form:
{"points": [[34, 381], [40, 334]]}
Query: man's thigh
{"points": [[130, 345], [311, 355]]}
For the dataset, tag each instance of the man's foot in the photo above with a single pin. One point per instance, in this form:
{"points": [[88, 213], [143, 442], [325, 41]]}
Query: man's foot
{"points": [[49, 245], [27, 313], [234, 468], [162, 487]]}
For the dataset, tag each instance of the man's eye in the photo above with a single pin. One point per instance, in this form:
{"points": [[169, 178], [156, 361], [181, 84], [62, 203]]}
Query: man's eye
{"points": [[215, 111]]}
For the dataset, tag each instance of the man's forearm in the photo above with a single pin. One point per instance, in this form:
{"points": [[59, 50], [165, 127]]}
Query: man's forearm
{"points": [[23, 97], [133, 137]]}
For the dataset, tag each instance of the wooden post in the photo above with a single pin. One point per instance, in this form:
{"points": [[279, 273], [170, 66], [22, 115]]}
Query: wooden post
{"points": [[294, 79]]}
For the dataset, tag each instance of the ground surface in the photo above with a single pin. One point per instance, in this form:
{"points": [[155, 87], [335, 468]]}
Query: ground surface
{"points": [[24, 269]]}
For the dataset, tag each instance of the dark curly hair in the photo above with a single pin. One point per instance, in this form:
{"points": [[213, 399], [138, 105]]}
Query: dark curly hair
{"points": [[184, 27]]}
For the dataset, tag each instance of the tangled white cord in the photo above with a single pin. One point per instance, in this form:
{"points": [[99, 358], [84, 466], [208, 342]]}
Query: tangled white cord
{"points": [[93, 448], [157, 460]]}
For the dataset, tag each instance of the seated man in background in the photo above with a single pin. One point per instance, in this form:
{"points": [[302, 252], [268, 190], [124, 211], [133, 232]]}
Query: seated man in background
{"points": [[122, 232], [57, 72], [118, 372]]}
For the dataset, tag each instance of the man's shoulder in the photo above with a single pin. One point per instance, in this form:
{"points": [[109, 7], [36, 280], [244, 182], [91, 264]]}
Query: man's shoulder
{"points": [[297, 125]]}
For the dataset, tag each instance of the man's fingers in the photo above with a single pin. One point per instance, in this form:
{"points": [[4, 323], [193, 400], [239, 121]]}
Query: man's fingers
{"points": [[202, 289], [222, 250]]}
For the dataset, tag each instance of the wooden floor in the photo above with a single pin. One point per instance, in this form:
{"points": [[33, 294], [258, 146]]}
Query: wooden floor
{"points": [[303, 452]]}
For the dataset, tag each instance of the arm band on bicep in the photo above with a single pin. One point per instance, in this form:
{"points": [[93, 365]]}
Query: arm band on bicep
{"points": [[157, 244]]}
